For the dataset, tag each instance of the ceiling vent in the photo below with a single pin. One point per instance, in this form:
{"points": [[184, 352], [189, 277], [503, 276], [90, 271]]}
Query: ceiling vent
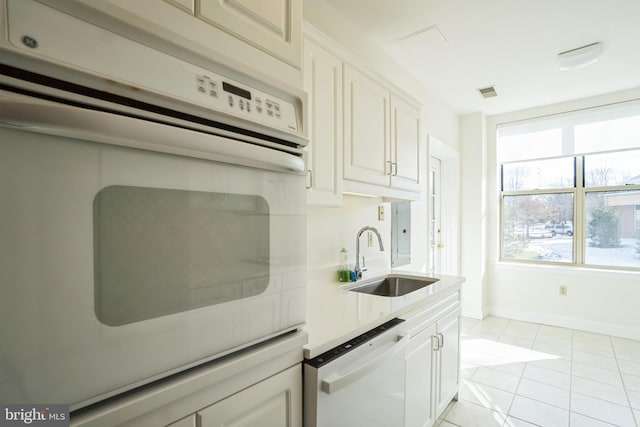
{"points": [[488, 92]]}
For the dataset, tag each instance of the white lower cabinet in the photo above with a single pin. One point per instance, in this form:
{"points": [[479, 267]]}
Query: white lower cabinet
{"points": [[447, 360], [276, 401], [432, 361], [419, 411]]}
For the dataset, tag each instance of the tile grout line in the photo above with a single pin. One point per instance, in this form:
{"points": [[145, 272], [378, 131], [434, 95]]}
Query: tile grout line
{"points": [[624, 384], [573, 341], [519, 379], [571, 379]]}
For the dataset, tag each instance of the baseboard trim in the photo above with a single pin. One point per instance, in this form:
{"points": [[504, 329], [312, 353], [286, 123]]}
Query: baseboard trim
{"points": [[566, 322], [474, 313]]}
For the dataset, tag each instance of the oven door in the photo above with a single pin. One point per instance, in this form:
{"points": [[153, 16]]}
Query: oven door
{"points": [[131, 250]]}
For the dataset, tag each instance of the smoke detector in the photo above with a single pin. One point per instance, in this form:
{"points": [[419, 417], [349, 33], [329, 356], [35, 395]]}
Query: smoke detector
{"points": [[487, 92]]}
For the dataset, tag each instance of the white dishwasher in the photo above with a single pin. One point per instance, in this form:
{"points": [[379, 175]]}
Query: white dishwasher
{"points": [[360, 383]]}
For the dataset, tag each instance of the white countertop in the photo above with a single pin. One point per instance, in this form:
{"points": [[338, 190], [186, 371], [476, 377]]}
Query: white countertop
{"points": [[335, 314]]}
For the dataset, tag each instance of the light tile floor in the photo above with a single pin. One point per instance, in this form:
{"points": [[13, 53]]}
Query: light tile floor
{"points": [[517, 374]]}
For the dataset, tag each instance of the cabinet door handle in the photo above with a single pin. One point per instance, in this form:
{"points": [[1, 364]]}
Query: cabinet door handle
{"points": [[390, 163], [395, 168], [440, 340], [337, 382], [436, 343], [310, 174]]}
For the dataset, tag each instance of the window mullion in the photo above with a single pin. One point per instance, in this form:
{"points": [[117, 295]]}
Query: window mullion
{"points": [[579, 228]]}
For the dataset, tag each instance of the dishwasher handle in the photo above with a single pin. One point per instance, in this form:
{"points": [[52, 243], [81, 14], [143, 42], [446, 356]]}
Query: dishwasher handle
{"points": [[336, 382]]}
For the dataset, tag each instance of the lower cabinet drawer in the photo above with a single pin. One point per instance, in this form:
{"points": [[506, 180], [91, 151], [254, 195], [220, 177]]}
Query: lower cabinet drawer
{"points": [[276, 401]]}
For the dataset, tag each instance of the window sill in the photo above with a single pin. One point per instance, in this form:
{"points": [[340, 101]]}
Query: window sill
{"points": [[574, 270]]}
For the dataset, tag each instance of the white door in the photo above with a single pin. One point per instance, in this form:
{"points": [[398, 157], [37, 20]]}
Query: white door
{"points": [[435, 214]]}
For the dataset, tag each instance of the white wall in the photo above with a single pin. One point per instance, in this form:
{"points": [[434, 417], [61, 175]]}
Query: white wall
{"points": [[601, 301], [473, 214]]}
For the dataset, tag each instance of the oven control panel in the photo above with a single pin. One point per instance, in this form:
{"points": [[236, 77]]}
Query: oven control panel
{"points": [[238, 99], [33, 29]]}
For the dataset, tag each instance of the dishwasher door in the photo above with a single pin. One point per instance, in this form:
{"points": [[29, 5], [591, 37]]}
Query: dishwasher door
{"points": [[360, 383]]}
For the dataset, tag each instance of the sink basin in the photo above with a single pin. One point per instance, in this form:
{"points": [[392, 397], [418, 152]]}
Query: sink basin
{"points": [[392, 286]]}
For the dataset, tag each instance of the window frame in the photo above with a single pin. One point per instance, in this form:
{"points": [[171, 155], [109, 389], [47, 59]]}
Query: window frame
{"points": [[579, 191]]}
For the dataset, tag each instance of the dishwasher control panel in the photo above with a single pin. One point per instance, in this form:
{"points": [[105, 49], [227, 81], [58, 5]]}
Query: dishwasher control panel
{"points": [[356, 342]]}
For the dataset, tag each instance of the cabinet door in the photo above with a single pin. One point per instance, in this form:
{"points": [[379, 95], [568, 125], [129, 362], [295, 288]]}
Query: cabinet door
{"points": [[274, 26], [189, 421], [419, 409], [276, 401], [449, 360], [405, 127], [323, 83], [367, 134], [187, 5]]}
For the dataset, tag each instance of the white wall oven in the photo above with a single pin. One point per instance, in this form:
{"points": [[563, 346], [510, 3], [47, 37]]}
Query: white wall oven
{"points": [[153, 210]]}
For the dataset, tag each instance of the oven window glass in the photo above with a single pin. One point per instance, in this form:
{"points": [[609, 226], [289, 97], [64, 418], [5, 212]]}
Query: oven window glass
{"points": [[159, 251]]}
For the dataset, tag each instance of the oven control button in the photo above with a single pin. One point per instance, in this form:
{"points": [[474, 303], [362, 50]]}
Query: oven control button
{"points": [[230, 101], [201, 83]]}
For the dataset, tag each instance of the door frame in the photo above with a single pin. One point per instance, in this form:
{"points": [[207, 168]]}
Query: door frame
{"points": [[449, 205]]}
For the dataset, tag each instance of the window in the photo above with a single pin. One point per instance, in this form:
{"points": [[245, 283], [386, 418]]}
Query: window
{"points": [[570, 188]]}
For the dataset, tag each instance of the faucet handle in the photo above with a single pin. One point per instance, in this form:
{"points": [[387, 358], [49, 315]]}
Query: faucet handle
{"points": [[364, 266]]}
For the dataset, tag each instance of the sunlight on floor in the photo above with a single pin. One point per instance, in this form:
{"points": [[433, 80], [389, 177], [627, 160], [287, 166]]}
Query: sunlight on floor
{"points": [[521, 374], [483, 352]]}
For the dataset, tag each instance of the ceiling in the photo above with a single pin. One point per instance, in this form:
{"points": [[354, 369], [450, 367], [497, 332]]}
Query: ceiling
{"points": [[454, 47]]}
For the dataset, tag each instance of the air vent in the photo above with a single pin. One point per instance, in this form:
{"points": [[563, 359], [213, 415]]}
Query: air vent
{"points": [[488, 92]]}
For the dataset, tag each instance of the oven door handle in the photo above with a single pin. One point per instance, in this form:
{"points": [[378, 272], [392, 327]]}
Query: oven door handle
{"points": [[52, 118], [336, 382]]}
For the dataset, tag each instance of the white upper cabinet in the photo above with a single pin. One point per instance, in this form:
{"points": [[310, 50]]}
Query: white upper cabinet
{"points": [[262, 38], [382, 137], [405, 136], [367, 148], [274, 26], [187, 5], [323, 83]]}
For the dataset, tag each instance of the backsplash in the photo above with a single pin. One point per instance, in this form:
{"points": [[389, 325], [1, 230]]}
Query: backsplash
{"points": [[329, 229]]}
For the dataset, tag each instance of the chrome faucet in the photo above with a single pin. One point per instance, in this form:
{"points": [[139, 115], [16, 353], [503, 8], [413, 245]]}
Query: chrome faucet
{"points": [[360, 269]]}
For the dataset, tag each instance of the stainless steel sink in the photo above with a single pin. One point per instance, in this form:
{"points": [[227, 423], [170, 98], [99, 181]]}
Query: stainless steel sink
{"points": [[392, 286]]}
